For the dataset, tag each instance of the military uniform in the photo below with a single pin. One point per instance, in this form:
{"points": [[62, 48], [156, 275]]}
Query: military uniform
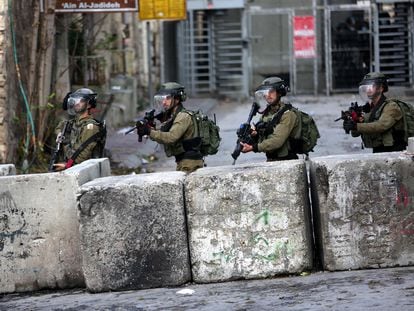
{"points": [[383, 127], [276, 144], [81, 129], [177, 136]]}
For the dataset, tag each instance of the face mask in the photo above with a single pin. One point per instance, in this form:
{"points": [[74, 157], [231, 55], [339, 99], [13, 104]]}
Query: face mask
{"points": [[76, 105]]}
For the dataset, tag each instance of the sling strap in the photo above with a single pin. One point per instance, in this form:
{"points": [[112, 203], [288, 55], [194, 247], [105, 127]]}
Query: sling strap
{"points": [[82, 147]]}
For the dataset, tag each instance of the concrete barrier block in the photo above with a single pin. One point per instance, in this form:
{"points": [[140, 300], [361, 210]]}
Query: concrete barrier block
{"points": [[7, 169], [364, 210], [39, 239], [89, 170], [39, 232], [248, 221], [133, 232]]}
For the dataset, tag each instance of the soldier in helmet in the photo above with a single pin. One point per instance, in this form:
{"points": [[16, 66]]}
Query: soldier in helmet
{"points": [[382, 128], [83, 136], [274, 142], [178, 129]]}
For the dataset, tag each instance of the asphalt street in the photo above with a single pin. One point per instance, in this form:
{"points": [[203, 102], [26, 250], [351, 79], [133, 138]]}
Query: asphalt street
{"points": [[376, 289]]}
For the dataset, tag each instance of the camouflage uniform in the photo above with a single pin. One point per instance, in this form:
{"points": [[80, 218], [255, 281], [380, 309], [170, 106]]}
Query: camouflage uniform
{"points": [[80, 131], [276, 145], [177, 136], [383, 127]]}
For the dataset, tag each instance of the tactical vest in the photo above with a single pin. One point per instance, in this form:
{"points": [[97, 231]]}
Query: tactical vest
{"points": [[386, 138], [75, 143], [182, 149], [266, 127]]}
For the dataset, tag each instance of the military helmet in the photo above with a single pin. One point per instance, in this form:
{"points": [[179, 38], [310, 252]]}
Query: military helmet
{"points": [[87, 94], [276, 83], [84, 93], [376, 78], [174, 89]]}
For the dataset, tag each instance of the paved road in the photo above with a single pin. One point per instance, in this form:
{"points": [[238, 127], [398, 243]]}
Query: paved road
{"points": [[376, 289]]}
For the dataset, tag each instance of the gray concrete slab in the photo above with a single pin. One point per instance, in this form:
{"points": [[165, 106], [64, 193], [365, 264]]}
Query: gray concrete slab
{"points": [[376, 289], [248, 221], [133, 232], [363, 210]]}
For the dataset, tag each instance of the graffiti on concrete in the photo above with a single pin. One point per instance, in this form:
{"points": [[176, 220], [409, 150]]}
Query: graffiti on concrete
{"points": [[226, 256], [12, 221], [404, 204], [279, 250], [260, 246], [265, 216], [403, 198]]}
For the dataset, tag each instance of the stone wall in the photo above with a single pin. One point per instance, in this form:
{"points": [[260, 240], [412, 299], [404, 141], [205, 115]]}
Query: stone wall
{"points": [[3, 104], [9, 91]]}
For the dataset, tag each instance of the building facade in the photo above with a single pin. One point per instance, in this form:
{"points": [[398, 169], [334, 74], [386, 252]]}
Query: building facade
{"points": [[227, 47]]}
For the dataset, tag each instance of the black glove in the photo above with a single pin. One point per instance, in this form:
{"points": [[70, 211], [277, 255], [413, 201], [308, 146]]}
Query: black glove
{"points": [[349, 125], [143, 129]]}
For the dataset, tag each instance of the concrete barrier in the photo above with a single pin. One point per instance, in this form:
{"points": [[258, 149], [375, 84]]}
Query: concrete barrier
{"points": [[364, 210], [7, 169], [39, 235], [249, 221], [133, 232]]}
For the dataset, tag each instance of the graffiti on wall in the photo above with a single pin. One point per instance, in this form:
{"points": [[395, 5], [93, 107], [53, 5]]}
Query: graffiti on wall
{"points": [[404, 206], [261, 247], [12, 221]]}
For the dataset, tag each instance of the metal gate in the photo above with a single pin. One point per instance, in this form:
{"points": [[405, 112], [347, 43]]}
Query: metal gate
{"points": [[394, 45], [349, 46], [270, 45], [211, 53]]}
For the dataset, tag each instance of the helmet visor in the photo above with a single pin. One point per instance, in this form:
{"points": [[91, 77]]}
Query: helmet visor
{"points": [[162, 102], [261, 96], [76, 104], [368, 91]]}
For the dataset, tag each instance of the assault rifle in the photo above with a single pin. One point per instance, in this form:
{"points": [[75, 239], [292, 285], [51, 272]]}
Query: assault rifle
{"points": [[59, 140], [147, 120], [244, 133], [354, 112]]}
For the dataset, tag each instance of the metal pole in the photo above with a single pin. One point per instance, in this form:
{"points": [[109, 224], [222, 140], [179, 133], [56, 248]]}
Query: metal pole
{"points": [[376, 38], [327, 49], [315, 59], [85, 50], [292, 58], [150, 94]]}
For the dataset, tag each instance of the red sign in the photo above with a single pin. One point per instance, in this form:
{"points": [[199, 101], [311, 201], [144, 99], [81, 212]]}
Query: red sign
{"points": [[304, 43], [95, 6]]}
